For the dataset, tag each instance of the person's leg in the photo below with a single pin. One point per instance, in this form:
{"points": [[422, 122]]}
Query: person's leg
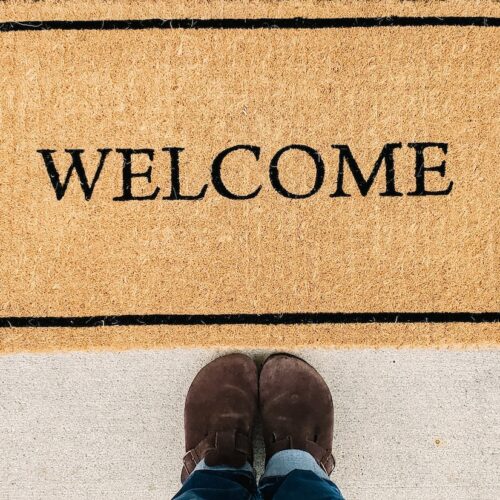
{"points": [[219, 481], [294, 474], [297, 415], [219, 413]]}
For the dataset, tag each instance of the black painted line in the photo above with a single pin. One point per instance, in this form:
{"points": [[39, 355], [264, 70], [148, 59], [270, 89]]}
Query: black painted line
{"points": [[248, 319], [249, 24]]}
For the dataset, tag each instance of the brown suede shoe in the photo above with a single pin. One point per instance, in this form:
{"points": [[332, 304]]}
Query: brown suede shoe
{"points": [[296, 408], [219, 413]]}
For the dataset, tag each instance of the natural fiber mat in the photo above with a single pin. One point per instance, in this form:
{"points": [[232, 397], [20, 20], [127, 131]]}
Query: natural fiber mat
{"points": [[248, 174]]}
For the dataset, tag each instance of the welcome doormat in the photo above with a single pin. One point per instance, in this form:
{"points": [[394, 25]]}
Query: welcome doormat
{"points": [[248, 174]]}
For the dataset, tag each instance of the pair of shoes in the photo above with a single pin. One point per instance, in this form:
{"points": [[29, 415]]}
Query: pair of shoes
{"points": [[223, 401]]}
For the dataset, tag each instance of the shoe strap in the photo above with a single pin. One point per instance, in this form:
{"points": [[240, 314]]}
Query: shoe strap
{"points": [[323, 457], [230, 448]]}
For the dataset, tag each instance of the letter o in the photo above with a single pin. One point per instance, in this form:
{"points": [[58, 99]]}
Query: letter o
{"points": [[274, 171]]}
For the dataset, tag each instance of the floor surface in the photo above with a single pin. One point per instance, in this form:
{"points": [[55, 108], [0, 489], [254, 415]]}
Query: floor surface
{"points": [[410, 424]]}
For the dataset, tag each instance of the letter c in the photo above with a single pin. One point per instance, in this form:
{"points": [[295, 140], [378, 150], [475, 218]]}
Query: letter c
{"points": [[216, 172]]}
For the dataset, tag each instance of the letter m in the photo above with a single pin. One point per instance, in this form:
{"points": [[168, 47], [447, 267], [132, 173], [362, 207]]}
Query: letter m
{"points": [[76, 165], [386, 156]]}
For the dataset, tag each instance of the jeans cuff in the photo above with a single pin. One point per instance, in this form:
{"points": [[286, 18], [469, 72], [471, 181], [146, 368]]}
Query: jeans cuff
{"points": [[201, 465], [284, 462]]}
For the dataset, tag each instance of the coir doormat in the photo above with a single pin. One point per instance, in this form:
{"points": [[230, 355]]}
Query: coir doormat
{"points": [[248, 174]]}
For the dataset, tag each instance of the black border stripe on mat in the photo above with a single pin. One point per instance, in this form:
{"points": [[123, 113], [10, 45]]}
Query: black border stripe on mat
{"points": [[249, 24], [299, 318]]}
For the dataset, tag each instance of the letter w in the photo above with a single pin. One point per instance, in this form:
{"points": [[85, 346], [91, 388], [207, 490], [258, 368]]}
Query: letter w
{"points": [[76, 164]]}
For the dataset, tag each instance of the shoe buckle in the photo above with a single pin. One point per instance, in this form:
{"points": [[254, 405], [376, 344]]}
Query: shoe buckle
{"points": [[190, 460]]}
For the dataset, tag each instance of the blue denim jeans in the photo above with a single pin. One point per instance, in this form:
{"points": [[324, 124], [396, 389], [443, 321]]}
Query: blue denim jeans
{"points": [[289, 475]]}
